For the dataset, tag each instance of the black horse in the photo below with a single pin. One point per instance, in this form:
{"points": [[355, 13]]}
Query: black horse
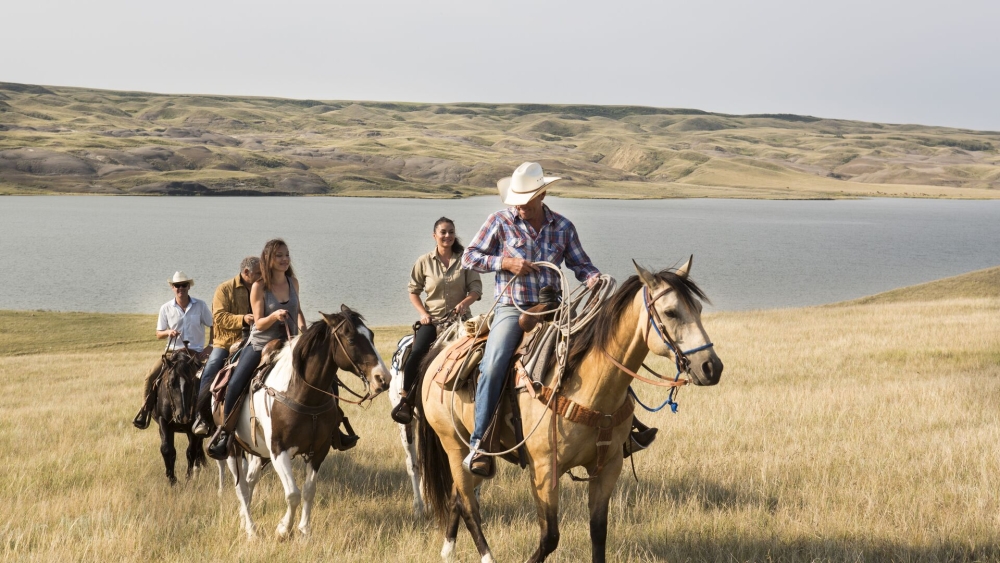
{"points": [[176, 396]]}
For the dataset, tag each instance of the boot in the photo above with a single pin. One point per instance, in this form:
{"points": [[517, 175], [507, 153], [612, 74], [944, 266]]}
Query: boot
{"points": [[477, 463], [403, 412], [640, 438], [200, 427], [343, 441], [219, 447], [141, 420]]}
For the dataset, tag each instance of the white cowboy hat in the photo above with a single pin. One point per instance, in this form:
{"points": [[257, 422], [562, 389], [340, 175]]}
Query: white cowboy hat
{"points": [[180, 277], [526, 182]]}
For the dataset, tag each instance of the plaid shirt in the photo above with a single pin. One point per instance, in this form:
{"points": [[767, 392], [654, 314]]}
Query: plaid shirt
{"points": [[506, 235]]}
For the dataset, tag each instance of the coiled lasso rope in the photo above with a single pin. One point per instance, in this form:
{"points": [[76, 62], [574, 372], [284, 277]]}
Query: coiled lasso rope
{"points": [[566, 320]]}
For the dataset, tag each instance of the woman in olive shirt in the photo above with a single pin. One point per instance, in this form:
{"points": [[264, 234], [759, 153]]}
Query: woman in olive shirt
{"points": [[449, 288]]}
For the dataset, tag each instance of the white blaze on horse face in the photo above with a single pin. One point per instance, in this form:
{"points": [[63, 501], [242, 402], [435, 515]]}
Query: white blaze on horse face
{"points": [[379, 375]]}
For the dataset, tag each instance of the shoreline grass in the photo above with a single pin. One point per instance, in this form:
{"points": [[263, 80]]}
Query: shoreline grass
{"points": [[860, 431]]}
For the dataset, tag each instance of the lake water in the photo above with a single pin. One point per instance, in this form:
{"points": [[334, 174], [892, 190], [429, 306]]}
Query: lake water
{"points": [[114, 254]]}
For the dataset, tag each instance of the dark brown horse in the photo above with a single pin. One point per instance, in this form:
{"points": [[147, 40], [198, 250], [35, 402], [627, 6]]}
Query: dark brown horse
{"points": [[176, 394], [295, 414]]}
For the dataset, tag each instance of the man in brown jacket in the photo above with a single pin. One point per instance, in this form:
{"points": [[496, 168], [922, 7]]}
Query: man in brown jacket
{"points": [[232, 315]]}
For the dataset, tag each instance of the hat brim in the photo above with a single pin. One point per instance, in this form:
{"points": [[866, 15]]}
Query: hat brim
{"points": [[171, 282], [511, 197]]}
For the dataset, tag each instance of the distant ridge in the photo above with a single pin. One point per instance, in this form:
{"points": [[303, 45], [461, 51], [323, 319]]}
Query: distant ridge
{"points": [[77, 140]]}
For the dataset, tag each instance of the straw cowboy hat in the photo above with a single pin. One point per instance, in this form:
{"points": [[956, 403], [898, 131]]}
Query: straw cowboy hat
{"points": [[525, 183], [180, 277]]}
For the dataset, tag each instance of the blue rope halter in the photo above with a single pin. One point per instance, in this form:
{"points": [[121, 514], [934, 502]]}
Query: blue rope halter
{"points": [[680, 358]]}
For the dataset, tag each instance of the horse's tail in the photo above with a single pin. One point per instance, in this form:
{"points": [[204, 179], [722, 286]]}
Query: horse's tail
{"points": [[435, 470]]}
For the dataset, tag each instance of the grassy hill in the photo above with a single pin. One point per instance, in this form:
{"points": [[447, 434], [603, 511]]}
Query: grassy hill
{"points": [[973, 285], [55, 139]]}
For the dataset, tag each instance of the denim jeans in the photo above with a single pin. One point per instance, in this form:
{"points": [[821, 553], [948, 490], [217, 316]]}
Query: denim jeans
{"points": [[240, 379], [505, 336], [215, 362]]}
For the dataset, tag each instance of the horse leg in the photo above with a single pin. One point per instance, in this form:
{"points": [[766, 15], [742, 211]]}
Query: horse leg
{"points": [[195, 453], [255, 470], [451, 531], [547, 506], [222, 475], [167, 450], [467, 504], [598, 498], [238, 467], [283, 466], [406, 436], [309, 492]]}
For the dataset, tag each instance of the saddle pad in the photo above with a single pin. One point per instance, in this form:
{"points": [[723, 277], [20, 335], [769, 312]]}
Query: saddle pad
{"points": [[450, 372]]}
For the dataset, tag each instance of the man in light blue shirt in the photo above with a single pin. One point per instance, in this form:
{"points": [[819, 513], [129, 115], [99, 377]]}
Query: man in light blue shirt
{"points": [[183, 319]]}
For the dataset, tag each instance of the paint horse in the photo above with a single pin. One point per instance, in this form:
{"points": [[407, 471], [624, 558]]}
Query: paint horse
{"points": [[176, 393], [591, 412], [295, 412]]}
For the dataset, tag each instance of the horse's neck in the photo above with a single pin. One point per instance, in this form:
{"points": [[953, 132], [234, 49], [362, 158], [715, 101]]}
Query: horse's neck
{"points": [[316, 383], [601, 385]]}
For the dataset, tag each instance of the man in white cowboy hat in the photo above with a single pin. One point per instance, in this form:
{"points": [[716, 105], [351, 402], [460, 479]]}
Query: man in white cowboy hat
{"points": [[182, 319], [509, 244]]}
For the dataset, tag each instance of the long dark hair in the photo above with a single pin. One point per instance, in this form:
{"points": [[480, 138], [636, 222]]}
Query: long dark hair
{"points": [[267, 256], [456, 246]]}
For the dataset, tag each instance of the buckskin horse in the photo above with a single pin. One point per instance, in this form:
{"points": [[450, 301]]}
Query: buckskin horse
{"points": [[590, 413], [176, 392], [294, 413]]}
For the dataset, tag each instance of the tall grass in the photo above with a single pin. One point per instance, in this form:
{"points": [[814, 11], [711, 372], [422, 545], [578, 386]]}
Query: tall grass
{"points": [[866, 432]]}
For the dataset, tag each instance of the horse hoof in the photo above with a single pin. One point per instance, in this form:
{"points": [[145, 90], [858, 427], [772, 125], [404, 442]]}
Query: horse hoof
{"points": [[281, 534]]}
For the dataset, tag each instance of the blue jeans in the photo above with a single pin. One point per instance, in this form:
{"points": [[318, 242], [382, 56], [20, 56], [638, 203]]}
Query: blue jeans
{"points": [[215, 362], [505, 336], [240, 379]]}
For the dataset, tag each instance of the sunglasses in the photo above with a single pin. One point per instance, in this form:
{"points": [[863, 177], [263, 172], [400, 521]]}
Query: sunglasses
{"points": [[182, 285]]}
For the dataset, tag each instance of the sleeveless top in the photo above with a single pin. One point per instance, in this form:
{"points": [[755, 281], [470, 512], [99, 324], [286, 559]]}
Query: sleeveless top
{"points": [[260, 338]]}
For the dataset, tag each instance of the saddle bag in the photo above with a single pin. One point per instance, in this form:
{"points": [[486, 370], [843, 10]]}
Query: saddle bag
{"points": [[461, 359], [536, 354]]}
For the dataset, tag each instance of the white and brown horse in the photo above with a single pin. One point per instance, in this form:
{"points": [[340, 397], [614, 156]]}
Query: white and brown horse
{"points": [[294, 413], [657, 313]]}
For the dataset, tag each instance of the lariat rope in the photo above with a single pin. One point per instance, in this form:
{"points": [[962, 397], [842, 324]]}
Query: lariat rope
{"points": [[565, 319]]}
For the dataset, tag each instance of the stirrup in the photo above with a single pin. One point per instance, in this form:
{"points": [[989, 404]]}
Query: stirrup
{"points": [[478, 463], [219, 447], [141, 420], [639, 440], [343, 442], [200, 427], [402, 412]]}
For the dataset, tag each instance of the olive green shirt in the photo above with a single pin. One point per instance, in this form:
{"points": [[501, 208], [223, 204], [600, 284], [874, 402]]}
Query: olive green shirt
{"points": [[446, 286], [231, 302]]}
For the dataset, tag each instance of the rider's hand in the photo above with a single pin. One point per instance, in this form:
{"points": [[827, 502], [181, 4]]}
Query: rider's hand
{"points": [[592, 281], [425, 319], [174, 333], [518, 266], [204, 354], [280, 315], [248, 320]]}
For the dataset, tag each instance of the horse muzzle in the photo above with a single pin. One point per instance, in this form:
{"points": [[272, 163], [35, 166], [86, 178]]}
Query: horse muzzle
{"points": [[380, 379], [707, 371]]}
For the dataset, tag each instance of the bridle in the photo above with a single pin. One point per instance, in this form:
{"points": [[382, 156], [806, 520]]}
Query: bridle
{"points": [[355, 369], [187, 374], [680, 356]]}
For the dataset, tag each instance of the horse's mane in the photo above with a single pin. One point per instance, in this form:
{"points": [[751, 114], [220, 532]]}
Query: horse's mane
{"points": [[183, 363], [598, 333], [316, 339]]}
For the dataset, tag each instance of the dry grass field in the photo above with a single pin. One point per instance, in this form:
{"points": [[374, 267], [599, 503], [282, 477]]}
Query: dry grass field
{"points": [[853, 432], [77, 140]]}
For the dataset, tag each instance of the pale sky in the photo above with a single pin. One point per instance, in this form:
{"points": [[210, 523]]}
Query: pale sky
{"points": [[933, 63]]}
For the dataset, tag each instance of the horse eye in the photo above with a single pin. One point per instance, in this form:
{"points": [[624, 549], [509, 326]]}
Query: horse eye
{"points": [[671, 314]]}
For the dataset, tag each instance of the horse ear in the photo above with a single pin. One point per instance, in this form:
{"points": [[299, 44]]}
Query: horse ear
{"points": [[684, 270], [344, 309], [328, 319], [648, 279]]}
